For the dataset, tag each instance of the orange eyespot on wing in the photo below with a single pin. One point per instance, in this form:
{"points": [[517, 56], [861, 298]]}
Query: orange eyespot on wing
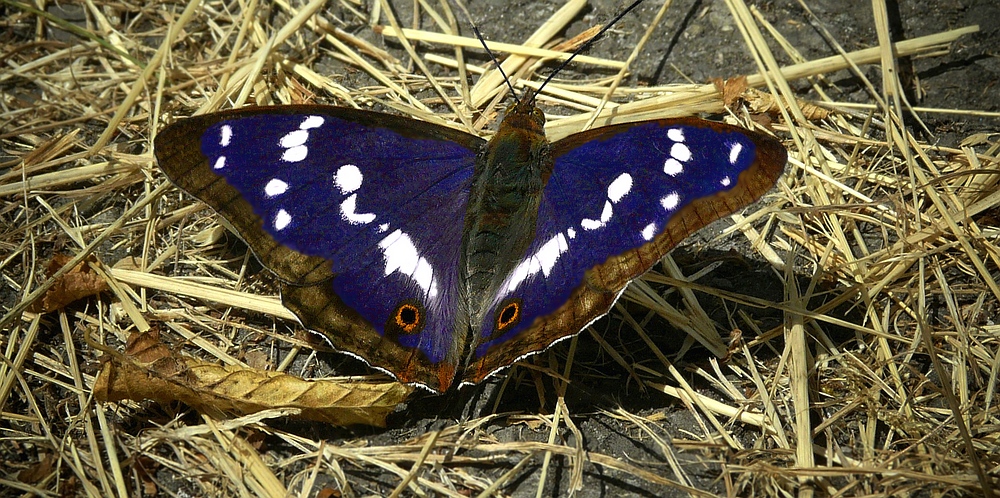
{"points": [[408, 318], [508, 315]]}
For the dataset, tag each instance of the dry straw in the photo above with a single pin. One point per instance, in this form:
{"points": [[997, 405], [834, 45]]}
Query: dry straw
{"points": [[786, 409]]}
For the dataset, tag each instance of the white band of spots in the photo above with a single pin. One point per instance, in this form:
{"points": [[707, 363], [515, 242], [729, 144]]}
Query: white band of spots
{"points": [[734, 152], [348, 178], [294, 142], [588, 224], [282, 220], [347, 212], [671, 201], [275, 187], [679, 153], [617, 190], [402, 256], [542, 261], [225, 138]]}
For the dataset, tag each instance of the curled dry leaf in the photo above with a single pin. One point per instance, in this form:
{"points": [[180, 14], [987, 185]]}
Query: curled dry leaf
{"points": [[736, 92], [78, 283], [764, 103], [150, 370]]}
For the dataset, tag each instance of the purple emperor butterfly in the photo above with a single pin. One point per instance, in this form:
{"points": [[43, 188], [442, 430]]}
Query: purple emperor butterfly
{"points": [[437, 256]]}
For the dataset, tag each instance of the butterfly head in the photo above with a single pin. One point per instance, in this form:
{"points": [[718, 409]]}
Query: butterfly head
{"points": [[524, 115]]}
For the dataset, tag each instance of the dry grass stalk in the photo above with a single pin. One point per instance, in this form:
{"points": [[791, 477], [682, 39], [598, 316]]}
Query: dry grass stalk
{"points": [[883, 226]]}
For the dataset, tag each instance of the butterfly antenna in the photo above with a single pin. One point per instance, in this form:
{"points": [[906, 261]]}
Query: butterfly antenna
{"points": [[588, 43], [479, 35]]}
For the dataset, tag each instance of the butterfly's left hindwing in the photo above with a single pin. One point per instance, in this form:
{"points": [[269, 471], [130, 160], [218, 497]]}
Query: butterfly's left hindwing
{"points": [[619, 198], [360, 213]]}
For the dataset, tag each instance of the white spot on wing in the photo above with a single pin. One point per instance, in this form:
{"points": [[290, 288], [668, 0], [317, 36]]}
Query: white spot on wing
{"points": [[734, 152], [726, 181], [680, 152], [348, 178], [549, 253], [617, 190], [383, 227], [649, 231], [606, 214], [220, 163], [520, 274], [347, 212], [225, 135], [275, 187], [673, 167], [294, 139], [424, 276], [311, 122], [571, 233], [294, 142], [671, 201], [675, 134], [295, 154], [402, 255], [589, 224], [620, 187], [282, 219], [542, 261]]}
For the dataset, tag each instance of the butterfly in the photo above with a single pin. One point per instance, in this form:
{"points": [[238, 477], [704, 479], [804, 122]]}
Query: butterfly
{"points": [[438, 256]]}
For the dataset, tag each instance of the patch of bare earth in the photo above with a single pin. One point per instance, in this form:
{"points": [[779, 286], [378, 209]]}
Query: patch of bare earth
{"points": [[838, 337]]}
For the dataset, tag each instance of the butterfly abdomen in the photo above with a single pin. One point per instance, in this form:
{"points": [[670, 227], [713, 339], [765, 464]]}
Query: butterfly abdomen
{"points": [[503, 207]]}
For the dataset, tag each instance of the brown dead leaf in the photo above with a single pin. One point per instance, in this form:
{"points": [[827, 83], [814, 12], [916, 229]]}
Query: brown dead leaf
{"points": [[764, 120], [78, 283], [732, 89], [329, 493], [257, 360], [38, 471], [149, 370]]}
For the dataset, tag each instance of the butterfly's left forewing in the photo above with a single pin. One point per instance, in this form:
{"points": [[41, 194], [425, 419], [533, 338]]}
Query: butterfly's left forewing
{"points": [[360, 214], [619, 198]]}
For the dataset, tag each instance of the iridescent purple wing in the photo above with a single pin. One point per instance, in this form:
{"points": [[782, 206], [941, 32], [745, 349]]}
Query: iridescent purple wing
{"points": [[619, 198], [359, 213]]}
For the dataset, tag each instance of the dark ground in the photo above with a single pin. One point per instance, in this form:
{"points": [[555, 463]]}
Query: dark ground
{"points": [[695, 43]]}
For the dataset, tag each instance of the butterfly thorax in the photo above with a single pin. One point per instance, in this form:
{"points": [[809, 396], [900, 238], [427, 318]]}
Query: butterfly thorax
{"points": [[500, 220]]}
